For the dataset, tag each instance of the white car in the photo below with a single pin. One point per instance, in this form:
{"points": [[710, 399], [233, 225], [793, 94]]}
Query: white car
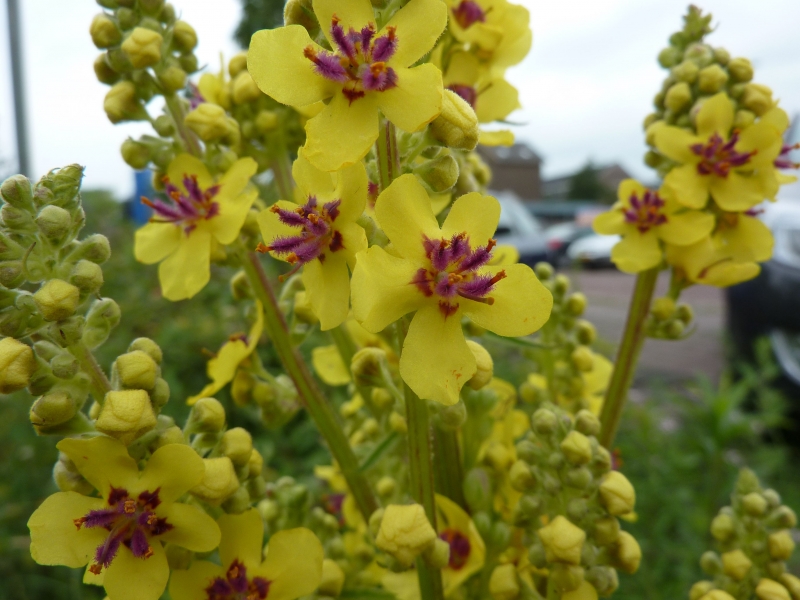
{"points": [[593, 250]]}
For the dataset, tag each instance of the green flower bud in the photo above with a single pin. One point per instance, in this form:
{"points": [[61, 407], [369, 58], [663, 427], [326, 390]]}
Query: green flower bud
{"points": [[700, 53], [663, 308], [561, 285], [15, 218], [17, 192], [478, 490], [686, 72], [269, 510], [566, 578], [126, 415], [172, 79], [700, 589], [86, 276], [159, 395], [238, 502], [576, 448], [669, 57], [736, 564], [209, 122], [104, 31], [521, 477], [747, 482], [17, 364], [606, 531], [102, 317], [386, 486], [712, 79], [527, 451], [69, 480], [617, 493], [136, 370], [237, 444], [127, 17], [189, 63], [536, 555], [603, 579], [50, 410], [711, 563], [577, 509], [723, 527], [147, 346], [722, 56], [439, 174], [437, 555], [207, 416], [783, 517], [94, 248], [772, 497], [754, 504], [544, 421], [237, 64], [121, 103], [164, 126], [457, 125], [184, 37], [743, 119], [64, 366], [245, 89], [500, 536], [678, 97], [543, 270], [366, 366], [57, 300], [585, 332], [299, 12], [451, 418], [576, 304], [219, 481], [583, 359], [781, 544], [587, 423], [143, 47], [69, 331], [741, 70], [757, 98]]}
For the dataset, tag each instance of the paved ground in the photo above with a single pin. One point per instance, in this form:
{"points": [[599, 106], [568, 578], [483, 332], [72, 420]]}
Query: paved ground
{"points": [[609, 292]]}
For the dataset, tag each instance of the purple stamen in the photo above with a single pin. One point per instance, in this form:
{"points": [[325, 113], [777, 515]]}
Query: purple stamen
{"points": [[237, 586], [343, 41], [385, 46], [645, 212], [467, 13], [185, 209], [719, 157], [467, 92]]}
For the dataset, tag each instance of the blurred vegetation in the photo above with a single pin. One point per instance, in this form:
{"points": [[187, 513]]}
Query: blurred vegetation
{"points": [[257, 15], [586, 185]]}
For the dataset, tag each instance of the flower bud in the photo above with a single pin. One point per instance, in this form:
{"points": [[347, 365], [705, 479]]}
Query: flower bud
{"points": [[17, 365], [237, 64], [238, 502], [405, 532], [544, 421], [104, 31], [184, 37], [64, 366], [398, 423], [245, 89], [576, 448], [576, 304], [585, 332], [583, 359], [266, 121], [102, 317], [663, 308], [769, 589], [566, 579], [740, 69], [792, 584], [172, 79], [136, 370], [189, 63], [735, 564], [126, 415], [143, 47], [783, 516], [457, 125], [686, 72], [207, 416], [678, 97], [366, 366], [520, 476], [712, 79], [57, 300], [208, 121], [627, 553], [17, 192], [606, 531], [332, 578], [69, 480], [560, 284], [303, 309], [754, 504], [255, 464], [543, 270], [219, 481], [562, 541], [781, 545], [669, 57], [711, 563], [503, 583], [451, 418], [587, 423], [617, 493], [478, 489], [757, 98], [700, 589], [438, 554], [485, 366], [121, 103], [439, 174], [603, 579], [237, 444], [717, 595], [386, 486], [55, 408], [299, 12], [86, 276]]}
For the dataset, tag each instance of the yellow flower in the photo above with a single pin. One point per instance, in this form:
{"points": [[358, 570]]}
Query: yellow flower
{"points": [[321, 235], [442, 274], [736, 168], [327, 360], [595, 382], [292, 567], [644, 218], [203, 212], [367, 72], [121, 533], [215, 88], [222, 368]]}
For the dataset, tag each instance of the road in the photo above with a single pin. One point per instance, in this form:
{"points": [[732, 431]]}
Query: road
{"points": [[609, 292]]}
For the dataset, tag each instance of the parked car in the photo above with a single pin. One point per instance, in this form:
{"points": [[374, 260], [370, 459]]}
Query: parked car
{"points": [[768, 304], [559, 238], [593, 251], [519, 229]]}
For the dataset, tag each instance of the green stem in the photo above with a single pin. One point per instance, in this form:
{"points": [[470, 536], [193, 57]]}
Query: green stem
{"points": [[315, 403], [449, 478], [344, 344], [627, 356], [188, 137], [388, 155], [282, 170], [98, 382], [420, 459]]}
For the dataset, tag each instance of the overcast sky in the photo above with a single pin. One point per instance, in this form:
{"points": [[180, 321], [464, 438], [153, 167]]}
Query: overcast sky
{"points": [[586, 85]]}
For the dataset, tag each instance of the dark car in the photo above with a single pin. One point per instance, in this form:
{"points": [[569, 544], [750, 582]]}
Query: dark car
{"points": [[559, 237], [769, 305], [519, 229]]}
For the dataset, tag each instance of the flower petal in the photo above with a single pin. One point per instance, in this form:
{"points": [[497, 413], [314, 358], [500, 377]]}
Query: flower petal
{"points": [[103, 462], [173, 470], [436, 361], [405, 214], [311, 180], [354, 126], [637, 252], [715, 116], [417, 99], [501, 137], [686, 228], [736, 192], [191, 584], [193, 528], [516, 39], [54, 538], [328, 288], [749, 240], [452, 516], [463, 68], [403, 585], [277, 64], [417, 25], [474, 214], [521, 303], [628, 188], [293, 564], [228, 223], [765, 140], [187, 270], [676, 143], [186, 164], [242, 538], [611, 222], [222, 368], [350, 13], [131, 578], [687, 186], [155, 241], [382, 289], [352, 186], [354, 240], [497, 101], [329, 366]]}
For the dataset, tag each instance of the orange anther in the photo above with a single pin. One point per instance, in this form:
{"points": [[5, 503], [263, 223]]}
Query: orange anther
{"points": [[261, 248], [130, 506], [95, 568]]}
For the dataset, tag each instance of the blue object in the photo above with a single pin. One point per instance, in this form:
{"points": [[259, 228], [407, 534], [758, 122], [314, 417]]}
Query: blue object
{"points": [[139, 212]]}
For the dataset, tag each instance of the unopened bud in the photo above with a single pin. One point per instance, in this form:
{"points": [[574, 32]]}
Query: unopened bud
{"points": [[503, 583], [711, 563], [736, 564], [606, 531], [520, 476], [303, 309], [663, 308], [245, 89], [457, 125], [567, 580], [68, 479], [439, 174], [104, 31], [52, 409], [366, 366], [587, 423], [17, 364], [478, 489], [398, 423], [299, 12], [543, 270], [576, 448], [266, 121], [740, 69], [219, 481], [544, 421], [678, 97], [562, 541], [172, 79], [451, 418], [95, 248], [485, 366], [781, 545], [64, 366], [583, 359], [723, 527], [769, 589], [576, 304], [237, 444], [405, 532], [757, 98], [627, 553], [143, 47], [126, 415], [121, 103], [208, 121], [603, 579], [86, 276], [386, 486], [437, 555], [585, 332], [136, 370], [332, 578], [700, 589], [792, 584], [617, 493], [686, 72], [184, 37], [754, 504], [712, 79], [57, 300], [207, 416]]}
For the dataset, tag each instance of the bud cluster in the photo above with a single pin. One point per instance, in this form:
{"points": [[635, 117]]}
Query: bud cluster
{"points": [[669, 320], [754, 538]]}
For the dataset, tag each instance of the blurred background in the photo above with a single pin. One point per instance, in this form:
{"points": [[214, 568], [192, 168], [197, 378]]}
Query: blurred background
{"points": [[723, 398]]}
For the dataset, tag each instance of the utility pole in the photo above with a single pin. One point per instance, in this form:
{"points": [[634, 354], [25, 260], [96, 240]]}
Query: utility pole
{"points": [[20, 116]]}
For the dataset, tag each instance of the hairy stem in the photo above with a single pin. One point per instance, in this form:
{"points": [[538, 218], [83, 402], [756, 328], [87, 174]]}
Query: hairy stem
{"points": [[627, 356], [449, 467], [315, 403], [187, 136], [98, 382], [388, 155]]}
